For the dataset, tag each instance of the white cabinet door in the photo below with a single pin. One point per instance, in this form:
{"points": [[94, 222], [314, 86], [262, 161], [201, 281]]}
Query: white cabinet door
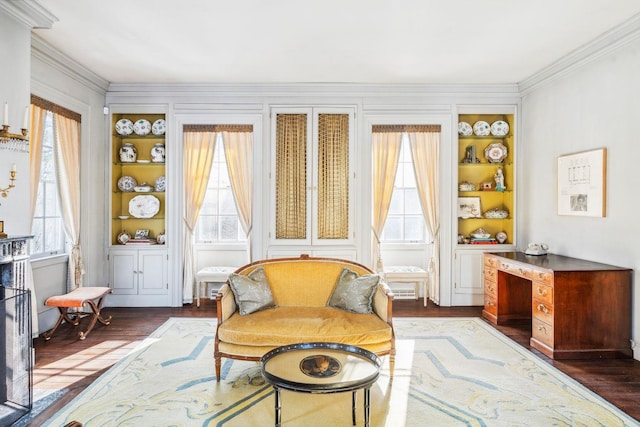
{"points": [[123, 267], [469, 282], [138, 277], [152, 273]]}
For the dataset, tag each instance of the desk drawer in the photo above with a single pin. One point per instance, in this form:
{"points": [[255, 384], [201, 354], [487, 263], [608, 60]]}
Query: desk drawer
{"points": [[490, 288], [526, 272], [542, 332], [542, 311], [491, 305], [490, 274], [541, 292]]}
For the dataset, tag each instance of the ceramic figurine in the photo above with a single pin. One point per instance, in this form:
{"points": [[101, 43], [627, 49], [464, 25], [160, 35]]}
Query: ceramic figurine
{"points": [[157, 153]]}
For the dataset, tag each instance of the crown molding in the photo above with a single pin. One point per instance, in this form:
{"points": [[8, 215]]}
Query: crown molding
{"points": [[29, 13], [312, 89], [608, 42], [48, 54]]}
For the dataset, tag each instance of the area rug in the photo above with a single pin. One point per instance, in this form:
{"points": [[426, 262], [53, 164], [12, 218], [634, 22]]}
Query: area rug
{"points": [[449, 372]]}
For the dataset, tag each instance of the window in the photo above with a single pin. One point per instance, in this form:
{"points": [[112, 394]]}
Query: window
{"points": [[48, 227], [405, 221], [218, 221]]}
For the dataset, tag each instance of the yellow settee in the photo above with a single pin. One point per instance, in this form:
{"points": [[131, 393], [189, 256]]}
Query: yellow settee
{"points": [[301, 289]]}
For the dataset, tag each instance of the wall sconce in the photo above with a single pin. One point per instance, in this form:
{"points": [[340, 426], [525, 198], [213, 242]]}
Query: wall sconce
{"points": [[14, 141], [5, 191]]}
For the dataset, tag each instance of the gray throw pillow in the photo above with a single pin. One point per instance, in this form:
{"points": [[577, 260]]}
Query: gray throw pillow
{"points": [[354, 293], [252, 292]]}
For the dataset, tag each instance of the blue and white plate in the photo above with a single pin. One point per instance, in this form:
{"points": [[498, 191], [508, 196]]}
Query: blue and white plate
{"points": [[160, 184], [127, 183], [159, 127], [124, 127], [499, 128], [142, 127], [464, 129], [481, 128]]}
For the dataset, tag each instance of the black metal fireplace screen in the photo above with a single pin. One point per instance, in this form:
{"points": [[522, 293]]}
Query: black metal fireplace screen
{"points": [[16, 355]]}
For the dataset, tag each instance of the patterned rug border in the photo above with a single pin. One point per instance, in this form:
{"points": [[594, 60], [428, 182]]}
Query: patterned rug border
{"points": [[570, 383]]}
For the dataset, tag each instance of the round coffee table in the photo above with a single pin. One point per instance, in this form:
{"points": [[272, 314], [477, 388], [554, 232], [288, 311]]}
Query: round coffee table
{"points": [[321, 367]]}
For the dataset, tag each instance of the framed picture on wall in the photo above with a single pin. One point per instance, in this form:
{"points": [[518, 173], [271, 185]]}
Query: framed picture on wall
{"points": [[582, 183]]}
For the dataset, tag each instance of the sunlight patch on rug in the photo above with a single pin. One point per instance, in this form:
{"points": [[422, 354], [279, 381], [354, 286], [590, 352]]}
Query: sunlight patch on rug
{"points": [[449, 372]]}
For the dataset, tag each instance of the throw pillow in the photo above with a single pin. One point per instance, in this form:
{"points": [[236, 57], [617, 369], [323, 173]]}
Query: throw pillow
{"points": [[252, 292], [354, 293]]}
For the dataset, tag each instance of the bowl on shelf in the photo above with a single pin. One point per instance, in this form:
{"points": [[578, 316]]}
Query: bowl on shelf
{"points": [[480, 233], [496, 213], [142, 188], [123, 216]]}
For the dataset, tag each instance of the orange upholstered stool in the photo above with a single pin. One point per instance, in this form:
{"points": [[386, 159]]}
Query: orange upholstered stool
{"points": [[77, 298]]}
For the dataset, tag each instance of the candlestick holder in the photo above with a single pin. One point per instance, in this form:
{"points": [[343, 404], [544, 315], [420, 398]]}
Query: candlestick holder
{"points": [[14, 141], [4, 192]]}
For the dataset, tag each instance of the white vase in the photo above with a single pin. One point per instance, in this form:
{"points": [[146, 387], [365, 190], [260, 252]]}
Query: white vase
{"points": [[128, 153], [157, 153]]}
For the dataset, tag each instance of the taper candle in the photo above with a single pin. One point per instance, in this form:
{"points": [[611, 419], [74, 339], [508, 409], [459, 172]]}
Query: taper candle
{"points": [[6, 114], [25, 122]]}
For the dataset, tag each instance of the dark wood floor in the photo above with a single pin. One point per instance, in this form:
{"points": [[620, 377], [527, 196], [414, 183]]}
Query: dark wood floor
{"points": [[64, 361]]}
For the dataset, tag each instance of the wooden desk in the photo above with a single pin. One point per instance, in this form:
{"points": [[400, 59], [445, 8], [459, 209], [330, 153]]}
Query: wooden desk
{"points": [[578, 309]]}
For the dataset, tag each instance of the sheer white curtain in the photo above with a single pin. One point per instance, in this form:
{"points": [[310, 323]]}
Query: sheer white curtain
{"points": [[67, 154], [198, 149], [425, 152], [35, 163], [386, 150], [238, 150]]}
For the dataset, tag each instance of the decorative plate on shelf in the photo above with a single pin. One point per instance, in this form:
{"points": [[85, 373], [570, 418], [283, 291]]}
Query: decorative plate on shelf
{"points": [[160, 184], [142, 127], [159, 127], [499, 128], [464, 129], [144, 206], [496, 152], [481, 128], [123, 237], [124, 127], [127, 183]]}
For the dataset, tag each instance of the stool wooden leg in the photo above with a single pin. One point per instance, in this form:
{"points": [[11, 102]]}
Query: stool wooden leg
{"points": [[64, 315], [95, 317]]}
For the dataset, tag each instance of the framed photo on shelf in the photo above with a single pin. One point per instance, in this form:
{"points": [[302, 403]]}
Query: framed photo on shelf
{"points": [[469, 207], [141, 234], [582, 183]]}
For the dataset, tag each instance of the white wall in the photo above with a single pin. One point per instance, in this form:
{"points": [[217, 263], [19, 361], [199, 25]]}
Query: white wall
{"points": [[83, 93], [15, 39], [595, 105]]}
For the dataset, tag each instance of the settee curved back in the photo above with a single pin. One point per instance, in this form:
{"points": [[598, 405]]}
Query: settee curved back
{"points": [[304, 281]]}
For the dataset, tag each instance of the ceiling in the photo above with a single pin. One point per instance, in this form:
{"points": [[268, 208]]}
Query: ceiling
{"points": [[330, 41]]}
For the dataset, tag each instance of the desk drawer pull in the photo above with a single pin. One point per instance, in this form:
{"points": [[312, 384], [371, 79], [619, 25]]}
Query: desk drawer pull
{"points": [[543, 329], [543, 309], [491, 288], [489, 303], [541, 291]]}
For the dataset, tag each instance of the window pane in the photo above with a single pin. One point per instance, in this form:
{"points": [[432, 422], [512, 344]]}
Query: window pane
{"points": [[38, 239], [392, 228], [412, 202], [397, 202], [227, 202], [405, 222], [218, 220], [228, 228], [414, 228], [48, 227]]}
